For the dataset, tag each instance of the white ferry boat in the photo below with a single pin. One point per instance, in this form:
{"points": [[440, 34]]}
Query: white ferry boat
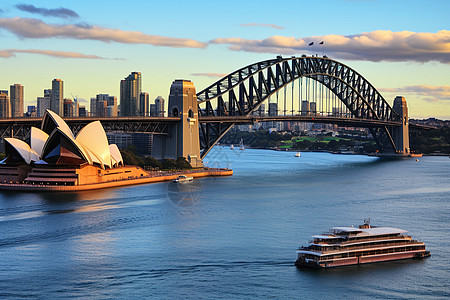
{"points": [[351, 246], [183, 179]]}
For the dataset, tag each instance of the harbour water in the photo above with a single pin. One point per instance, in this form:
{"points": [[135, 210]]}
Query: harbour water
{"points": [[229, 238]]}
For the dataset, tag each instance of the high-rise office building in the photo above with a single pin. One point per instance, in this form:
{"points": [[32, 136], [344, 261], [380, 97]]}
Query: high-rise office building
{"points": [[144, 105], [82, 111], [153, 110], [5, 105], [16, 99], [70, 108], [130, 90], [57, 102], [31, 111], [305, 108], [112, 106], [159, 106], [273, 109], [43, 103], [104, 105], [312, 108]]}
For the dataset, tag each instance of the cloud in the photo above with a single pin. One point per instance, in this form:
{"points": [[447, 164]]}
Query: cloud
{"points": [[34, 28], [427, 92], [7, 53], [212, 75], [262, 25], [64, 13], [380, 45]]}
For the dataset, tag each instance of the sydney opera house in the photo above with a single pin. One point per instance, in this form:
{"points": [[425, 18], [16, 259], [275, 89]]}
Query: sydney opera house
{"points": [[55, 156]]}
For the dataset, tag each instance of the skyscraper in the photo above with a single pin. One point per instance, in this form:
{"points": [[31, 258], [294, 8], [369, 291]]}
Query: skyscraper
{"points": [[159, 106], [143, 105], [112, 106], [70, 108], [16, 99], [104, 105], [43, 103], [57, 102], [5, 105], [130, 90]]}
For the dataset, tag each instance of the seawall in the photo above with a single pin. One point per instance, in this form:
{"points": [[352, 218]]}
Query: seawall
{"points": [[154, 177]]}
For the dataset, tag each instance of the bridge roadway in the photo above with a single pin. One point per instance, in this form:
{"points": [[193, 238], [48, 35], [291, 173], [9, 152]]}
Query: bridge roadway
{"points": [[158, 125], [19, 127]]}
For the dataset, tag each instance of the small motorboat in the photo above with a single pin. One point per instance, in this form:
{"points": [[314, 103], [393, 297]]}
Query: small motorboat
{"points": [[297, 154], [183, 179]]}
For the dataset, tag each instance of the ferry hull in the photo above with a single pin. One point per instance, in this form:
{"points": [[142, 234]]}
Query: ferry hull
{"points": [[362, 259]]}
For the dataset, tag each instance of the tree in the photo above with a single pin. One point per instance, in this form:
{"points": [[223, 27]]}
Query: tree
{"points": [[152, 162], [182, 163], [168, 164]]}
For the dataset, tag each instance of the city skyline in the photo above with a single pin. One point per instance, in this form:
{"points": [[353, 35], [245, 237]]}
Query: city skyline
{"points": [[403, 50]]}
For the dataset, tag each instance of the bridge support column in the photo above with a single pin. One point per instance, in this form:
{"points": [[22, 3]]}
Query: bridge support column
{"points": [[401, 134], [183, 139]]}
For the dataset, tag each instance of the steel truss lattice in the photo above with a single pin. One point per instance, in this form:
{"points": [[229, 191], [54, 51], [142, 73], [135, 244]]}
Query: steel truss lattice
{"points": [[247, 88]]}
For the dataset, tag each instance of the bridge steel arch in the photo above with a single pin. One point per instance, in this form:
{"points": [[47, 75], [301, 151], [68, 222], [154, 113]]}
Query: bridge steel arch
{"points": [[248, 87]]}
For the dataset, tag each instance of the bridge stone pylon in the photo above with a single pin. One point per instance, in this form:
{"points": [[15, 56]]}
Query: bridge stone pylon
{"points": [[401, 134], [183, 136]]}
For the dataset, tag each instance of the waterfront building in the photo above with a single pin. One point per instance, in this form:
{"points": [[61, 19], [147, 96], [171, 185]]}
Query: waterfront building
{"points": [[159, 107], [143, 142], [55, 156], [16, 99], [144, 105], [130, 90], [121, 139], [57, 96], [5, 105]]}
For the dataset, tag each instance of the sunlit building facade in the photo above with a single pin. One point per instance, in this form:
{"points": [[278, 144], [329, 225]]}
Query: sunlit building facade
{"points": [[57, 97], [16, 99], [130, 90]]}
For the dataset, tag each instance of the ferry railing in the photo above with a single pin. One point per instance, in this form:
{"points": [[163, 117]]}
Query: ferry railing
{"points": [[350, 248]]}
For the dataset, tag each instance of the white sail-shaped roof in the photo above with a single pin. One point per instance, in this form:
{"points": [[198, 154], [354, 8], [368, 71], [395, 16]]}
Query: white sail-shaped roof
{"points": [[115, 154], [51, 120], [93, 137], [23, 149], [37, 140]]}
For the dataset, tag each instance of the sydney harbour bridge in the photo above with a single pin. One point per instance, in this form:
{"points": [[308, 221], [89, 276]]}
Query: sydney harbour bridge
{"points": [[296, 89]]}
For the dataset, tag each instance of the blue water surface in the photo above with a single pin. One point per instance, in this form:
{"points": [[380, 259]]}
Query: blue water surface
{"points": [[229, 238]]}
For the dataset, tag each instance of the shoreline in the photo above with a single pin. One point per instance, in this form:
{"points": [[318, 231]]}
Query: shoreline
{"points": [[333, 152], [160, 177]]}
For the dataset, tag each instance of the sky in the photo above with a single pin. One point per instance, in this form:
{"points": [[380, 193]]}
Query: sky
{"points": [[402, 47]]}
